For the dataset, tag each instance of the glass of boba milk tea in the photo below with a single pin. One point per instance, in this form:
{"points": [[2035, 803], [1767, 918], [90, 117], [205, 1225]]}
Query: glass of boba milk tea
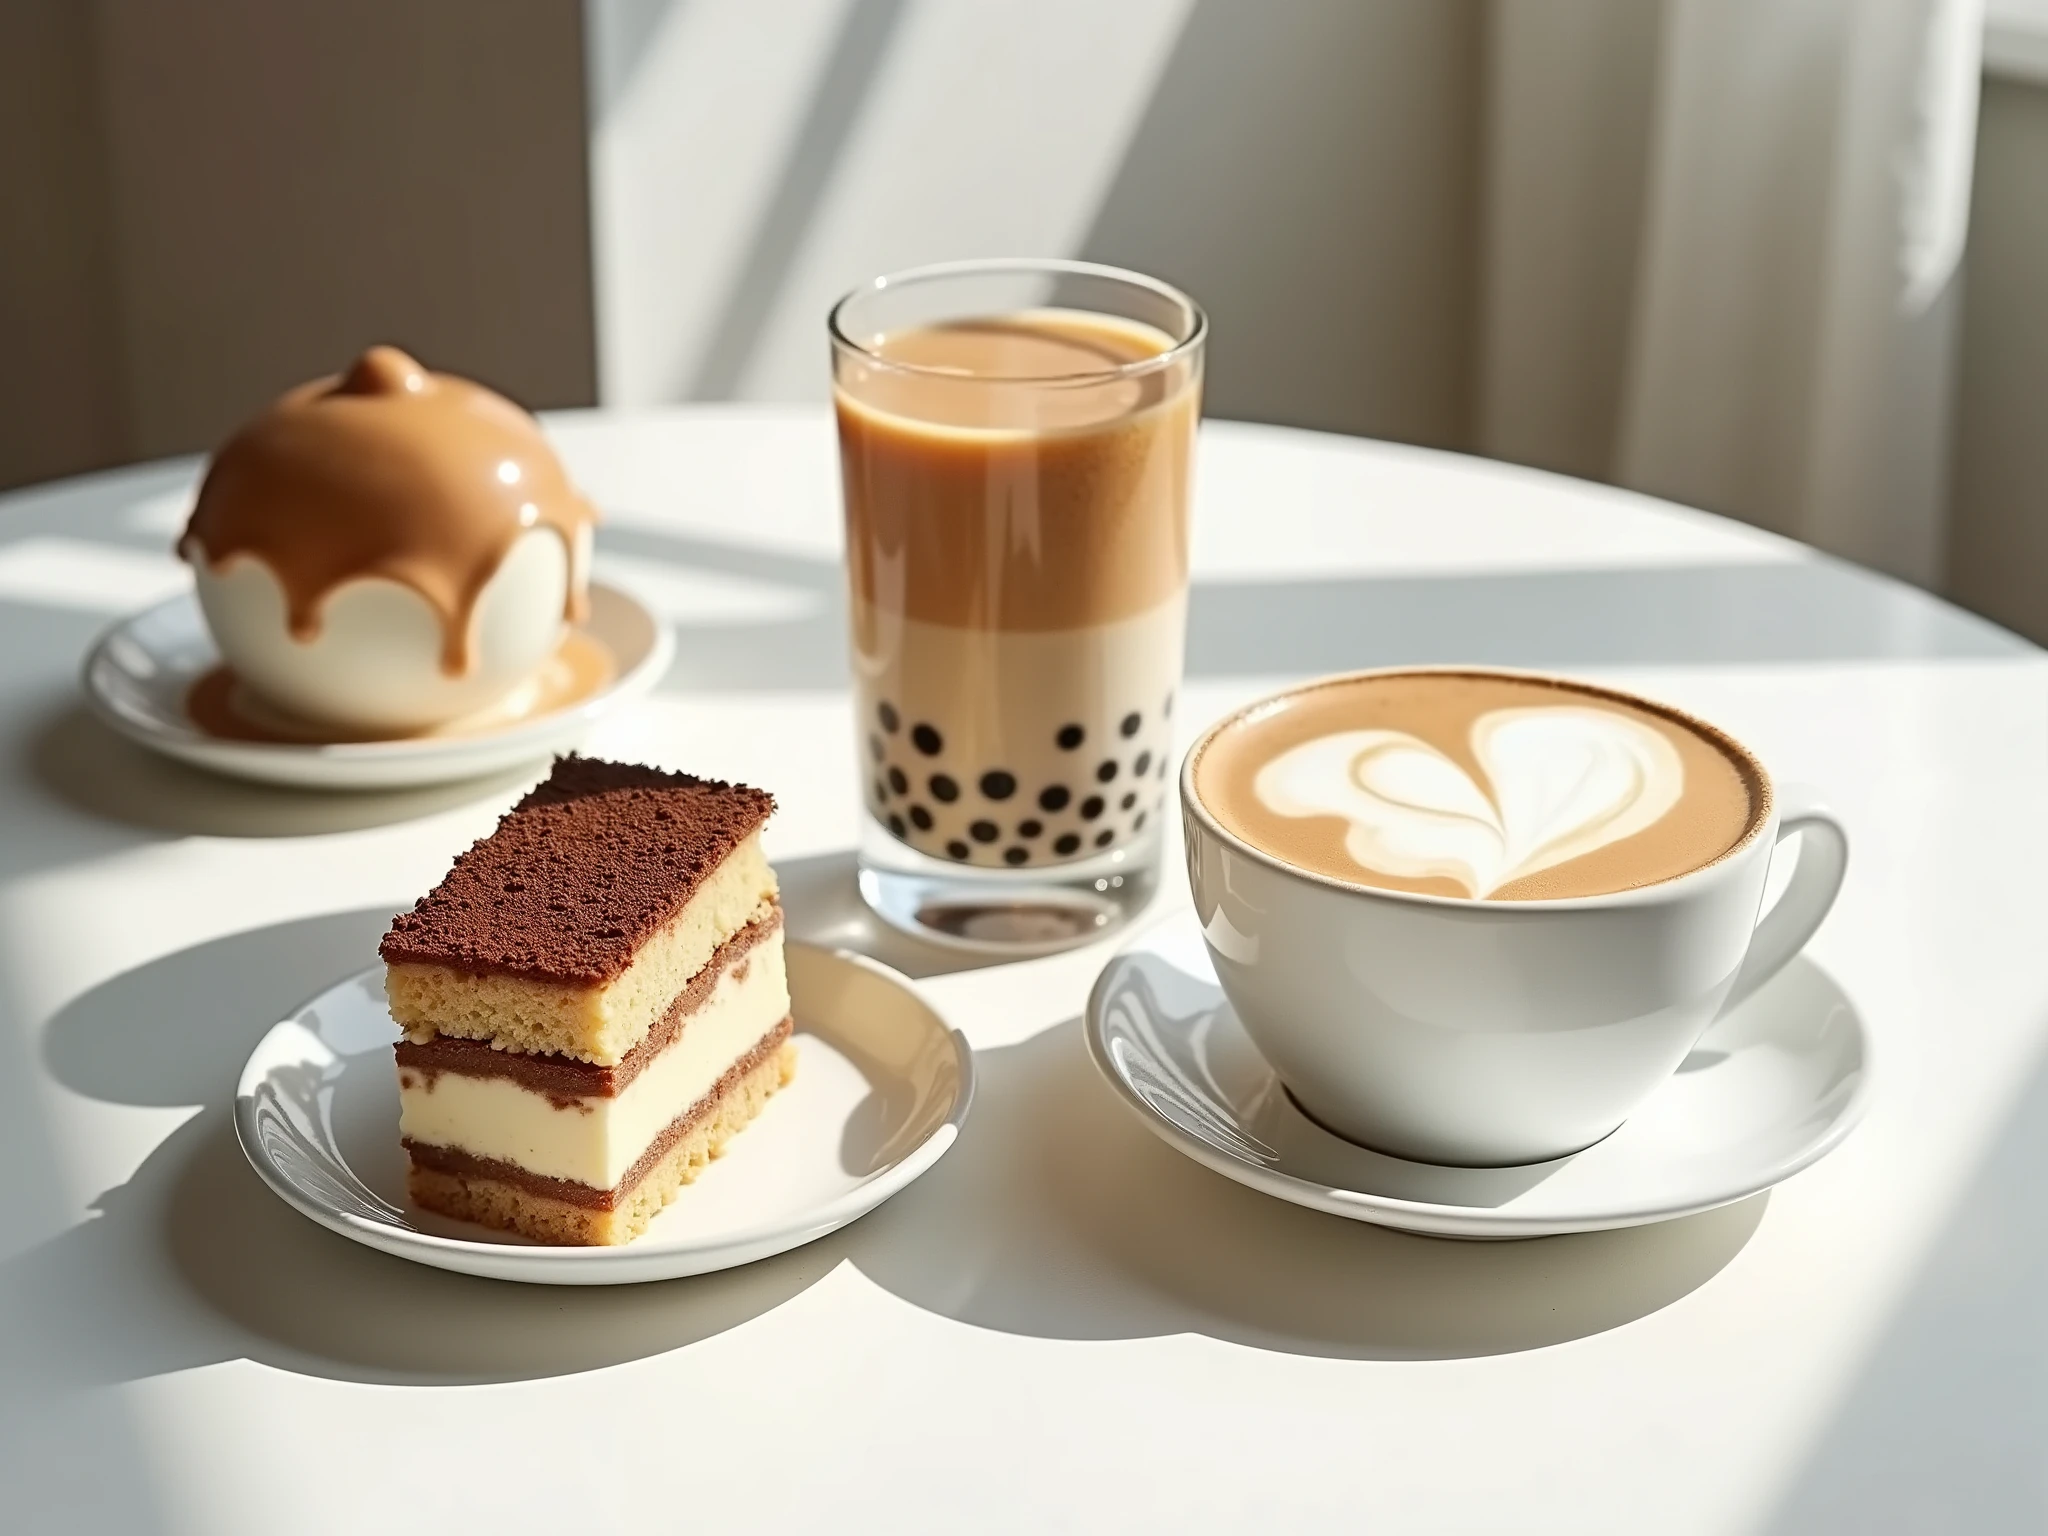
{"points": [[1016, 441]]}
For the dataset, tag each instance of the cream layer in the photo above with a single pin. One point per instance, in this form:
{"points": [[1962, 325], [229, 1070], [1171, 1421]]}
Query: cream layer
{"points": [[596, 1023], [1072, 727], [594, 1141]]}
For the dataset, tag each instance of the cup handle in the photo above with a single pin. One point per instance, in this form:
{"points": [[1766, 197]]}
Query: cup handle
{"points": [[1816, 879]]}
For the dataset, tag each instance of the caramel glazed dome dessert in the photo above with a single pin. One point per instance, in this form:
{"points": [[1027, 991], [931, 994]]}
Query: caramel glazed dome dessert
{"points": [[388, 550]]}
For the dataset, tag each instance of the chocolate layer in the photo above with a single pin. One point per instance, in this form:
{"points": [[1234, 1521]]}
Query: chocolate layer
{"points": [[578, 874], [569, 1191], [564, 1076]]}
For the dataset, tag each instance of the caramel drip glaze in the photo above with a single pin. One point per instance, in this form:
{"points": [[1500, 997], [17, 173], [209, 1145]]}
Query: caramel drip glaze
{"points": [[421, 478]]}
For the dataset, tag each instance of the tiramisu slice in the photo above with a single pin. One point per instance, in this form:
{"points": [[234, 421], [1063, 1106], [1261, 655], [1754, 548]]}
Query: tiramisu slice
{"points": [[594, 1002]]}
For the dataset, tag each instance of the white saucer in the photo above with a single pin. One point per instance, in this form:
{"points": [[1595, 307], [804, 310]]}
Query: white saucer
{"points": [[882, 1086], [139, 673], [1770, 1089]]}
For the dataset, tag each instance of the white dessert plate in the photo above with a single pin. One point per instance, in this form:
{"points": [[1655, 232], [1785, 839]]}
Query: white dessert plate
{"points": [[1769, 1089], [882, 1085], [139, 674]]}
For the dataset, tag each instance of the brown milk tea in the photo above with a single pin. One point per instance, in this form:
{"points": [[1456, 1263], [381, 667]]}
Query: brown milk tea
{"points": [[1016, 497]]}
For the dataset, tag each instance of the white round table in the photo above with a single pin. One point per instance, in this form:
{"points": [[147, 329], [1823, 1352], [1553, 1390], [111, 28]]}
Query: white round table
{"points": [[1066, 1326]]}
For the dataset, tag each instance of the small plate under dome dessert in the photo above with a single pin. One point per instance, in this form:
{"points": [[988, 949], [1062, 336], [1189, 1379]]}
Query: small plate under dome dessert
{"points": [[141, 677], [392, 588]]}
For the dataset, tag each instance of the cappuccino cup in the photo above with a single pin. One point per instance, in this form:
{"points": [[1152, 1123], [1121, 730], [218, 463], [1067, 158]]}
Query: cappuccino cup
{"points": [[1475, 917]]}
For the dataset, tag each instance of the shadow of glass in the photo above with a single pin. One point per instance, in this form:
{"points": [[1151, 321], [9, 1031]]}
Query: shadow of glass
{"points": [[194, 1261], [1059, 1215], [821, 904], [90, 768]]}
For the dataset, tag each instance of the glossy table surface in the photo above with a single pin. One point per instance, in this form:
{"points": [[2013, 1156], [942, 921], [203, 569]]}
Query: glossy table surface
{"points": [[1066, 1326]]}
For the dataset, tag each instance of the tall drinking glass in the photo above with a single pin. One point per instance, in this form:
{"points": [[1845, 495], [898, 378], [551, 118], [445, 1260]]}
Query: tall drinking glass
{"points": [[1016, 442]]}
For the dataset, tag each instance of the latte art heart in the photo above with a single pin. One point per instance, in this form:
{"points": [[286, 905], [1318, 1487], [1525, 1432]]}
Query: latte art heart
{"points": [[1559, 783]]}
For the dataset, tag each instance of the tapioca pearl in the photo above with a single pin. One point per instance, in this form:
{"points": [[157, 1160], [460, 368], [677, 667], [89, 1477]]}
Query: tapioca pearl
{"points": [[1091, 807], [1130, 799], [1016, 856], [997, 784], [1130, 724], [1138, 822], [1106, 772], [1069, 737], [920, 818], [1066, 843], [957, 849], [886, 713], [944, 789], [1143, 765], [984, 831], [1030, 827], [899, 781], [881, 792], [927, 740], [1164, 764], [896, 825], [1166, 709], [1053, 797], [1105, 837], [875, 748]]}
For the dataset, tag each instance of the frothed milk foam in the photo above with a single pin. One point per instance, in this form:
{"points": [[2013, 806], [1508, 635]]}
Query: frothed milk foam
{"points": [[1479, 784], [1016, 517]]}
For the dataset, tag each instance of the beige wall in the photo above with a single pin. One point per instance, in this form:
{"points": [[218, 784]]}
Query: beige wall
{"points": [[201, 203], [1998, 511], [60, 387], [206, 202], [1571, 86], [1305, 168], [1308, 169], [219, 197]]}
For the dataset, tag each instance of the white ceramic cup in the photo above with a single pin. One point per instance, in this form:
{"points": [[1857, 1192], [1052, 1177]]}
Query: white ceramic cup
{"points": [[375, 666], [1488, 1033]]}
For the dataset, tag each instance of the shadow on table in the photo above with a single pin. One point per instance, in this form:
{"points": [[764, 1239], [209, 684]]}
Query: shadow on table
{"points": [[81, 762], [1812, 609], [822, 904], [1057, 1214], [1941, 1427], [193, 1260]]}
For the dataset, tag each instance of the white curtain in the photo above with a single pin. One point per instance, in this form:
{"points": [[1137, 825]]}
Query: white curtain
{"points": [[1721, 255]]}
